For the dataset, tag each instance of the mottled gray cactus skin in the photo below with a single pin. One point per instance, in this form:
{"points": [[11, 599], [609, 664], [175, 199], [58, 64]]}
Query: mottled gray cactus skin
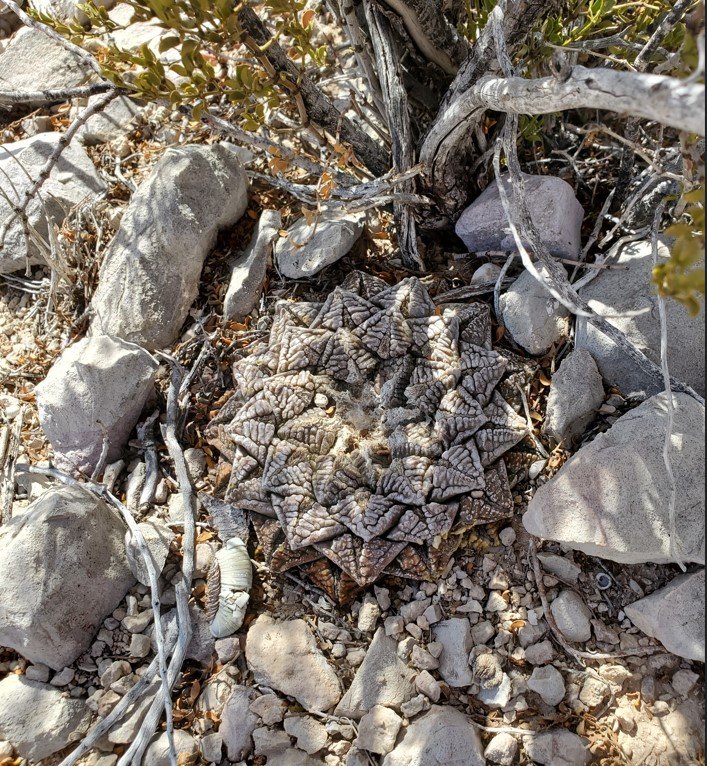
{"points": [[369, 430]]}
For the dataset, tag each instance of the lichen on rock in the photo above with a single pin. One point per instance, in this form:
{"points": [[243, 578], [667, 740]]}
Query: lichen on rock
{"points": [[368, 430]]}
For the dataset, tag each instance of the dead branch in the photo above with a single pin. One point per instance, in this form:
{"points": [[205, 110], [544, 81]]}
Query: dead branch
{"points": [[663, 29], [20, 209], [319, 107], [8, 462], [398, 114], [433, 35], [53, 95]]}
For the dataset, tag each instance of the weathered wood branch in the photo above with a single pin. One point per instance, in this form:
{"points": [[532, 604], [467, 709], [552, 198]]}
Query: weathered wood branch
{"points": [[450, 155], [433, 35], [398, 114], [320, 109], [654, 97], [53, 95]]}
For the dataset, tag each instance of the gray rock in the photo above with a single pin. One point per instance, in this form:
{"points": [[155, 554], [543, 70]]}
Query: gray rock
{"points": [[37, 719], [307, 249], [502, 749], [456, 638], [129, 724], [211, 747], [576, 393], [382, 679], [675, 615], [611, 498], [486, 273], [560, 567], [275, 746], [497, 696], [97, 387], [548, 683], [558, 747], [72, 180], [553, 209], [621, 292], [378, 730], [217, 692], [535, 320], [158, 537], [443, 735], [270, 708], [63, 570], [157, 753], [32, 61], [150, 273], [310, 735], [572, 615], [284, 656], [683, 681], [238, 723], [115, 120], [248, 272]]}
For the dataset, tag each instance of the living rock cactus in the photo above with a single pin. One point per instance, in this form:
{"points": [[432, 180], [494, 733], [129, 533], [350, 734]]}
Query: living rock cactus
{"points": [[368, 432]]}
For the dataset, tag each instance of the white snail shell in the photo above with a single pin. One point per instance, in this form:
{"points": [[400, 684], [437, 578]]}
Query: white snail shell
{"points": [[228, 590]]}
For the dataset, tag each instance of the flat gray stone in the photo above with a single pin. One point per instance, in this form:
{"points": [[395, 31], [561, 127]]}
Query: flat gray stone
{"points": [[157, 753], [238, 723], [249, 270], [151, 270], [308, 248], [611, 498], [382, 679], [284, 656], [96, 388], [576, 393], [675, 615], [455, 635], [73, 179], [553, 209], [32, 61], [558, 747], [117, 119], [63, 570], [535, 320], [548, 684], [624, 291], [37, 719], [441, 737], [572, 615]]}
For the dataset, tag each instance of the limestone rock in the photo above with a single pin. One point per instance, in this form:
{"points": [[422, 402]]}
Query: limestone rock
{"points": [[157, 753], [63, 569], [307, 249], [310, 735], [553, 209], [572, 615], [502, 749], [32, 61], [576, 392], [535, 320], [620, 292], [150, 273], [382, 679], [158, 537], [72, 180], [37, 719], [441, 737], [238, 723], [675, 615], [284, 656], [547, 682], [97, 387], [115, 120], [611, 498], [248, 272], [558, 747], [275, 746], [456, 639], [378, 730]]}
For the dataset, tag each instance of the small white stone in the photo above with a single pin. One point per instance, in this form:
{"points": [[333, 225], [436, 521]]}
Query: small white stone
{"points": [[499, 581], [482, 632], [383, 597], [497, 696], [369, 615], [37, 672], [270, 708], [140, 645], [502, 749], [496, 603], [684, 681], [211, 747], [572, 616], [310, 735], [378, 730], [355, 656], [547, 682], [420, 658], [394, 626], [63, 677], [593, 692], [427, 685], [415, 706], [433, 614], [507, 537]]}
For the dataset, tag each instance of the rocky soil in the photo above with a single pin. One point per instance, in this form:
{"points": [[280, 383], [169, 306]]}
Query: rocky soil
{"points": [[556, 631]]}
